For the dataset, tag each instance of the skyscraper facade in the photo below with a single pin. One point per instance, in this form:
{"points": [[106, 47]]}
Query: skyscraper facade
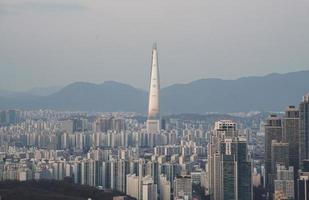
{"points": [[229, 168], [153, 122], [284, 183], [183, 187], [165, 188], [304, 128], [279, 156], [149, 189], [303, 181], [273, 131], [291, 136]]}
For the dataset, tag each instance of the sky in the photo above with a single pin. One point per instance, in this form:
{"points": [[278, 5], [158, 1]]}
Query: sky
{"points": [[57, 42]]}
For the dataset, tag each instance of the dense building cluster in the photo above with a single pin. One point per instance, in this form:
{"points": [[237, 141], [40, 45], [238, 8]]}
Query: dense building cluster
{"points": [[286, 152], [113, 151], [172, 158], [9, 117], [109, 152]]}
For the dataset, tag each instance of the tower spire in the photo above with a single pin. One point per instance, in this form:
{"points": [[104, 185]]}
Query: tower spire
{"points": [[153, 122]]}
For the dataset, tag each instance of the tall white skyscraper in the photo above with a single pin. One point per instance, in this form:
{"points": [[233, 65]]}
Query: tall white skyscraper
{"points": [[153, 122]]}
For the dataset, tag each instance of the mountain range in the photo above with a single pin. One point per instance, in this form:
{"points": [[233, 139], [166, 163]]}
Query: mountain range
{"points": [[272, 92]]}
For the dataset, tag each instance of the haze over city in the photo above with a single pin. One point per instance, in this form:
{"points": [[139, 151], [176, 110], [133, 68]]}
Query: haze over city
{"points": [[154, 100], [57, 42]]}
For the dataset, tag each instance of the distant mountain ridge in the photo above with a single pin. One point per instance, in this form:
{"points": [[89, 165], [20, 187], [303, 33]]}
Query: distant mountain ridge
{"points": [[272, 92], [44, 91]]}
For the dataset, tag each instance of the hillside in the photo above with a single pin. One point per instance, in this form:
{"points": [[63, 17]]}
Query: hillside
{"points": [[272, 92], [50, 190]]}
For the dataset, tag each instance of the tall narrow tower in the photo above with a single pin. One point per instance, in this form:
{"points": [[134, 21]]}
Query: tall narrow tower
{"points": [[153, 122], [304, 128]]}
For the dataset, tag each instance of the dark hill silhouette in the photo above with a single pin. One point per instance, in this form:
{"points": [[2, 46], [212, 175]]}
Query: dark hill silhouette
{"points": [[51, 190], [272, 92], [266, 93]]}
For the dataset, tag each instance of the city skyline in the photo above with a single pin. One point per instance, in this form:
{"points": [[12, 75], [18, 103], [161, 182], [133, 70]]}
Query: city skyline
{"points": [[253, 157], [219, 110]]}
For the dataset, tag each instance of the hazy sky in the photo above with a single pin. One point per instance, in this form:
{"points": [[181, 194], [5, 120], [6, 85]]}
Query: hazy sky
{"points": [[56, 42]]}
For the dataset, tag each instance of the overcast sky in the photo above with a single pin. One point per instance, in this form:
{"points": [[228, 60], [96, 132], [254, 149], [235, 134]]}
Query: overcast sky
{"points": [[57, 42]]}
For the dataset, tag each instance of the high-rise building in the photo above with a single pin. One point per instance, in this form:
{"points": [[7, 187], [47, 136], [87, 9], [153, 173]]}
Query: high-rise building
{"points": [[165, 188], [183, 187], [9, 117], [284, 183], [291, 136], [226, 127], [67, 126], [273, 131], [104, 124], [303, 181], [122, 169], [236, 170], [153, 122], [141, 188], [149, 189], [304, 128], [80, 124], [279, 155], [132, 188], [229, 169]]}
